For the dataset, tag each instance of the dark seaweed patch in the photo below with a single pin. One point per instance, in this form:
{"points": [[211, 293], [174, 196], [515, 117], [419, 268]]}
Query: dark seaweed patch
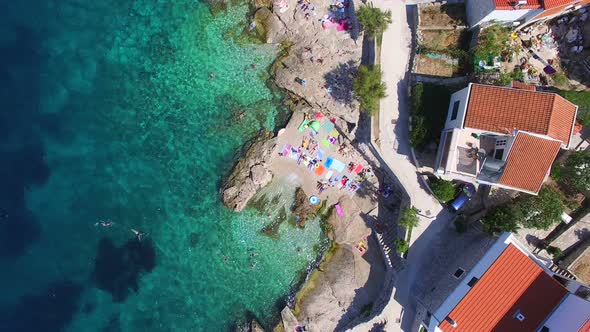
{"points": [[117, 269]]}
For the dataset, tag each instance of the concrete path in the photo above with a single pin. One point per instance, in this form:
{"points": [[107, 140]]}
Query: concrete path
{"points": [[393, 146]]}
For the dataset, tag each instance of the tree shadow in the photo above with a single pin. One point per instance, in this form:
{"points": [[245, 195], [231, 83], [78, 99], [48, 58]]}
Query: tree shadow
{"points": [[22, 163], [50, 310], [340, 81], [117, 269]]}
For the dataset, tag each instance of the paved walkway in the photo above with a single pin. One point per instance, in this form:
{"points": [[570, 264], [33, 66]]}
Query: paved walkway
{"points": [[394, 148]]}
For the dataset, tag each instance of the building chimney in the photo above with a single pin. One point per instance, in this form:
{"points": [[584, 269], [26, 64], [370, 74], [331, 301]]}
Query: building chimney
{"points": [[451, 321]]}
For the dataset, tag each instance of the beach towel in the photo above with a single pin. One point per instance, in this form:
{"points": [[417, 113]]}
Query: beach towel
{"points": [[328, 162], [287, 150], [334, 133], [358, 168], [325, 142], [329, 175], [303, 126], [337, 165], [319, 171], [328, 126], [294, 156], [320, 154], [339, 210]]}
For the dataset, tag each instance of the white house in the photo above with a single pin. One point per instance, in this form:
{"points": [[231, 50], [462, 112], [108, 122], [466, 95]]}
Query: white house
{"points": [[504, 136]]}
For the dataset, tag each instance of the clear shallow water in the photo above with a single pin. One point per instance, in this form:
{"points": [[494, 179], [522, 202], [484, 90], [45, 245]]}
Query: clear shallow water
{"points": [[107, 112]]}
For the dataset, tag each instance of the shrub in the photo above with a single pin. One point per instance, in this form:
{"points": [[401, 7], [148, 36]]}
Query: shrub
{"points": [[401, 246], [576, 170], [493, 41], [429, 108], [557, 171], [559, 79], [369, 87], [373, 20], [543, 210], [408, 218], [502, 219], [443, 190], [555, 252]]}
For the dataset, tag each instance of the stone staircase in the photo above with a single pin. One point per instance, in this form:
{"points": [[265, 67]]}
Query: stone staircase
{"points": [[562, 272]]}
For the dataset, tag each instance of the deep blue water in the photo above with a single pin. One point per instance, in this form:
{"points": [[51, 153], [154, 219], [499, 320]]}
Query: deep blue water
{"points": [[107, 113]]}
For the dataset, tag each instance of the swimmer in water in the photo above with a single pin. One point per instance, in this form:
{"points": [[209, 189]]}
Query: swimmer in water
{"points": [[253, 66], [103, 223], [139, 235], [225, 259], [252, 255], [211, 76]]}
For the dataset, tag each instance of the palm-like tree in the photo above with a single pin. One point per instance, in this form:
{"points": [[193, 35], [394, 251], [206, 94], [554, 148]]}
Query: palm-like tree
{"points": [[373, 20]]}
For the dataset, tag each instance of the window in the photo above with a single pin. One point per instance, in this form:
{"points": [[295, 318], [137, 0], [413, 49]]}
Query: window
{"points": [[472, 282], [519, 316], [455, 110], [500, 142], [499, 154], [459, 273]]}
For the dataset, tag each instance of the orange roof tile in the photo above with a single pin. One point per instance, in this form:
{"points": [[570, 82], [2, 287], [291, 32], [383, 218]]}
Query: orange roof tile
{"points": [[513, 283], [523, 86], [509, 5], [556, 3], [502, 109], [528, 162]]}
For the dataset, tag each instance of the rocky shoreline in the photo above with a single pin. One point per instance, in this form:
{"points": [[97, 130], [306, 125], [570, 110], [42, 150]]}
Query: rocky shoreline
{"points": [[345, 282]]}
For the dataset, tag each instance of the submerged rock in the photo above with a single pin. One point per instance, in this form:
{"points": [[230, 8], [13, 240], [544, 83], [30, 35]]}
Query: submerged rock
{"points": [[250, 174]]}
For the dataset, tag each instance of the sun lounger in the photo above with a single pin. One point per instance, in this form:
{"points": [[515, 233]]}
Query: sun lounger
{"points": [[358, 168], [287, 150], [320, 169], [339, 210], [329, 175], [328, 126], [337, 165]]}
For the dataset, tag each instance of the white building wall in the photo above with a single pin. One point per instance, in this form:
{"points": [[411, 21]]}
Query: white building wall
{"points": [[462, 96], [504, 16], [477, 10], [570, 315]]}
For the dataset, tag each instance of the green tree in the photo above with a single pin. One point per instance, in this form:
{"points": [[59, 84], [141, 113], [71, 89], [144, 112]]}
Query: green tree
{"points": [[369, 87], [373, 20], [555, 252], [543, 210], [443, 190], [502, 219], [408, 218], [576, 170], [401, 246]]}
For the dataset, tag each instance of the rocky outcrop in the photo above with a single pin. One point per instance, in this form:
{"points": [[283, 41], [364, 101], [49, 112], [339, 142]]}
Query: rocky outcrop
{"points": [[250, 174], [337, 54]]}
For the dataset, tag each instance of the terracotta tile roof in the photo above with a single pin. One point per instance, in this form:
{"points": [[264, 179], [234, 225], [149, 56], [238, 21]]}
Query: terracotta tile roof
{"points": [[556, 3], [523, 86], [528, 162], [585, 327], [513, 283], [502, 109], [509, 5]]}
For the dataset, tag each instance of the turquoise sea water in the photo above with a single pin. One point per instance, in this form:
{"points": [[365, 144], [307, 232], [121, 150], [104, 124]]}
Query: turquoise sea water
{"points": [[108, 113]]}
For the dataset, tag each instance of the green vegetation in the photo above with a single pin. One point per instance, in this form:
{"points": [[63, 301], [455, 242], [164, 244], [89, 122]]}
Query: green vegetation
{"points": [[369, 87], [582, 99], [408, 218], [373, 20], [502, 219], [493, 41], [443, 190], [557, 171], [559, 79], [540, 212], [429, 107], [576, 171], [543, 210], [555, 252], [401, 246]]}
